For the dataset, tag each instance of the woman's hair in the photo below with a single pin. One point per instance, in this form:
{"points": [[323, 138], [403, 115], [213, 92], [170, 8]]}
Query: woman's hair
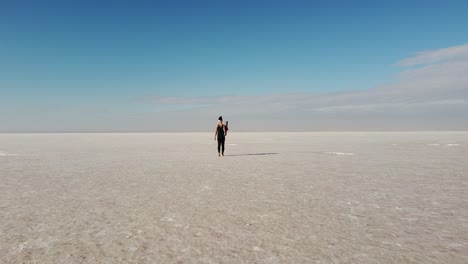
{"points": [[220, 118]]}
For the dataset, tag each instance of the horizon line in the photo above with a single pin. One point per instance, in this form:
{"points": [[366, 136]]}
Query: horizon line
{"points": [[202, 132]]}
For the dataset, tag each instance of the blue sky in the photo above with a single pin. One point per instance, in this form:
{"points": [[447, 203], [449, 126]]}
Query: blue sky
{"points": [[62, 60]]}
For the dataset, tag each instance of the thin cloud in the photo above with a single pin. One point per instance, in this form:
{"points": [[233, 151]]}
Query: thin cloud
{"points": [[424, 96], [435, 56], [433, 96]]}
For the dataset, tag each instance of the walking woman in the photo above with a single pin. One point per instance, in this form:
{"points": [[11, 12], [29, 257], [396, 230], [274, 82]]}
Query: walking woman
{"points": [[220, 133]]}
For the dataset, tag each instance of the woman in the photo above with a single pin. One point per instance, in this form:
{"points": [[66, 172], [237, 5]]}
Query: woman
{"points": [[220, 132]]}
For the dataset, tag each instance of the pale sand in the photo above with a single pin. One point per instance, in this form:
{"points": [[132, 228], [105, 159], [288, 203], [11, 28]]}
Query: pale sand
{"points": [[277, 198]]}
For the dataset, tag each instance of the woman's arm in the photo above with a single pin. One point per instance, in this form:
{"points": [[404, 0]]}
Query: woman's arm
{"points": [[224, 129], [216, 132]]}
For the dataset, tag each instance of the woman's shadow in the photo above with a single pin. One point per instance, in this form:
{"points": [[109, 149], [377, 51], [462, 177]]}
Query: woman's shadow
{"points": [[252, 154]]}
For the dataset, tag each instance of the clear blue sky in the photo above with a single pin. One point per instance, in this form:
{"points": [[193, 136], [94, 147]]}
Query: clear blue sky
{"points": [[109, 52]]}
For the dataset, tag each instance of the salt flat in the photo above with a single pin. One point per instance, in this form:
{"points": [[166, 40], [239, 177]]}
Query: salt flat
{"points": [[360, 197]]}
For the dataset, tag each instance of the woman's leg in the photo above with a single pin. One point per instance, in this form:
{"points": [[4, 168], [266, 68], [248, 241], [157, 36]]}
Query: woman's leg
{"points": [[219, 146], [223, 146]]}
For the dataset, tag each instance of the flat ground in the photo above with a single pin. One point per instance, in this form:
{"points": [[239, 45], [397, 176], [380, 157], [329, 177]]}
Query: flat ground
{"points": [[274, 198]]}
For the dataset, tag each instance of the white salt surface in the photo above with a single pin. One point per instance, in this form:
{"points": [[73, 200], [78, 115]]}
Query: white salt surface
{"points": [[168, 198], [4, 154], [340, 153]]}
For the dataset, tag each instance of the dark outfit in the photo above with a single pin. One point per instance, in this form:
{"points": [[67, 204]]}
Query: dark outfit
{"points": [[221, 139]]}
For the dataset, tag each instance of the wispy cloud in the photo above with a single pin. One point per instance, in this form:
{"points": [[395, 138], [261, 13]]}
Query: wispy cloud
{"points": [[433, 95], [434, 56], [434, 92]]}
